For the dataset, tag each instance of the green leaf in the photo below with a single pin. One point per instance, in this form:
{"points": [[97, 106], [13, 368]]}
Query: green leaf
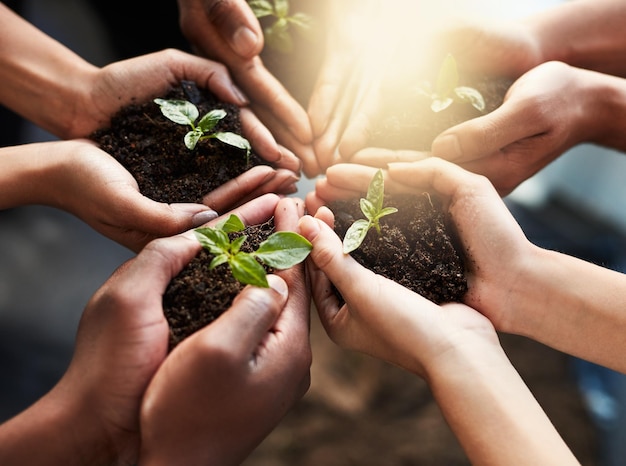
{"points": [[282, 8], [178, 111], [376, 190], [355, 235], [192, 138], [248, 271], [235, 140], [231, 225], [208, 121], [386, 211], [438, 105], [368, 209], [283, 250], [261, 8], [302, 21], [471, 96], [235, 246], [448, 77], [216, 241], [218, 260], [277, 36]]}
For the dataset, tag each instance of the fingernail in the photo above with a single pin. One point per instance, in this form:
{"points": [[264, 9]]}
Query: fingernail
{"points": [[244, 41], [203, 217], [243, 100], [278, 285], [447, 147]]}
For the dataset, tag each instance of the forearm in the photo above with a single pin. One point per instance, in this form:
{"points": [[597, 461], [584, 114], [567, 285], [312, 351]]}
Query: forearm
{"points": [[584, 33], [492, 412], [571, 305], [42, 80], [51, 432], [39, 173]]}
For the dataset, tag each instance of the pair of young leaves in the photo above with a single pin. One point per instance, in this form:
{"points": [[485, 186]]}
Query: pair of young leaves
{"points": [[186, 113], [281, 250], [372, 208], [447, 89]]}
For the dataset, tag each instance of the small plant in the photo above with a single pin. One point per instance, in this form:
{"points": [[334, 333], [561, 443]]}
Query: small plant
{"points": [[281, 250], [186, 113], [277, 34], [372, 208], [447, 89]]}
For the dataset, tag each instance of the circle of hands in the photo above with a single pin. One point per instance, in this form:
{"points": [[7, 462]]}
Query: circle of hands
{"points": [[125, 398]]}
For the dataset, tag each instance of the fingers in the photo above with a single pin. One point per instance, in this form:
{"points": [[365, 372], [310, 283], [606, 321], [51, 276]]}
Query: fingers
{"points": [[205, 73], [435, 174], [144, 279], [255, 182], [488, 134], [252, 314], [257, 210], [264, 143], [237, 25], [380, 157]]}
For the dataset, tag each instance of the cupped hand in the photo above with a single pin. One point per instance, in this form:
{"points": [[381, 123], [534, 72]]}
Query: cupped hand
{"points": [[123, 339], [223, 389], [92, 185], [214, 28], [497, 254], [538, 121], [380, 317]]}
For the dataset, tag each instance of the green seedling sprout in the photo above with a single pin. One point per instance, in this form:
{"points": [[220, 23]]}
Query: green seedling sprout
{"points": [[372, 208], [186, 113], [281, 250], [448, 91], [277, 34]]}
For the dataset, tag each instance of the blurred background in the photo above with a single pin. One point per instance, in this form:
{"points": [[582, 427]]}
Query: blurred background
{"points": [[358, 411]]}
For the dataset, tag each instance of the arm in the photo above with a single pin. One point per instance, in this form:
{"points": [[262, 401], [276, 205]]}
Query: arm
{"points": [[455, 349], [79, 178], [53, 87], [586, 33]]}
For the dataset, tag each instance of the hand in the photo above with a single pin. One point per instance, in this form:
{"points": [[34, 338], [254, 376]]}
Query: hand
{"points": [[223, 389], [538, 121], [215, 28], [411, 332], [488, 233], [90, 184]]}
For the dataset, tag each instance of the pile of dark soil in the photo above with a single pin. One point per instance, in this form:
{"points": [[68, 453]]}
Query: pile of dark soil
{"points": [[197, 296], [151, 148], [415, 247]]}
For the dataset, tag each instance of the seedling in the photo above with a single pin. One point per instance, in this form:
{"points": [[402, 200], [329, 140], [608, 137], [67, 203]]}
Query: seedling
{"points": [[277, 34], [281, 250], [448, 91], [372, 208], [186, 113]]}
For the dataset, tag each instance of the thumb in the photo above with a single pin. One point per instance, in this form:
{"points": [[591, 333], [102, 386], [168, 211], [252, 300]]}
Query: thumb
{"points": [[237, 25], [252, 314], [327, 255]]}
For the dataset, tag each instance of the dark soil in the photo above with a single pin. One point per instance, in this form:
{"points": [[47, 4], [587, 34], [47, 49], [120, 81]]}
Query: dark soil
{"points": [[197, 296], [415, 247], [151, 148]]}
